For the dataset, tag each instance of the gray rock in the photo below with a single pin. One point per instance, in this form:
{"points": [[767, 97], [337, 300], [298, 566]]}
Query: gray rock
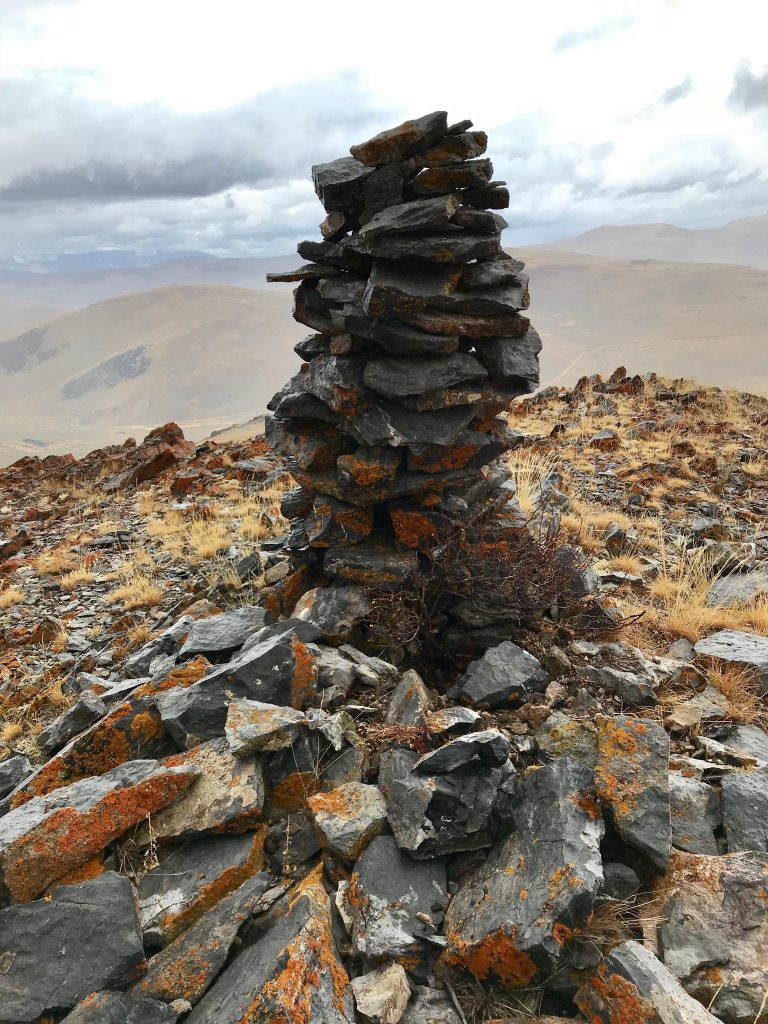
{"points": [[623, 670], [13, 771], [337, 611], [429, 1006], [490, 746], [390, 891], [179, 890], [274, 668], [225, 632], [410, 702], [348, 818], [407, 138], [561, 736], [750, 740], [620, 881], [631, 981], [745, 810], [187, 967], [714, 934], [227, 797], [45, 838], [193, 714], [339, 183], [394, 377], [737, 588], [292, 973], [708, 706], [414, 216], [505, 675], [432, 815], [167, 643], [731, 645], [452, 721], [695, 812], [88, 708], [492, 273], [632, 780], [382, 995], [511, 917], [509, 359], [255, 726], [57, 951], [121, 1008]]}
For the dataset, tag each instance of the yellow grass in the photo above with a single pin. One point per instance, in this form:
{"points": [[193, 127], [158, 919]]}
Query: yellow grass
{"points": [[76, 578], [55, 561], [138, 591], [530, 469], [206, 538], [740, 687], [11, 596]]}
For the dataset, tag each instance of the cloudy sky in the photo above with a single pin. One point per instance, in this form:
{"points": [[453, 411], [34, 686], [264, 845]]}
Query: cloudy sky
{"points": [[192, 124]]}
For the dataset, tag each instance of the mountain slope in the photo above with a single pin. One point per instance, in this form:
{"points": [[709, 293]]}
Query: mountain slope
{"points": [[741, 241], [211, 355]]}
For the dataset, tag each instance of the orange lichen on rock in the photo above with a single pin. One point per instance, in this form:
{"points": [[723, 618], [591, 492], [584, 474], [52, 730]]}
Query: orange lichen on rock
{"points": [[618, 999], [221, 886], [495, 956], [66, 838], [304, 681], [290, 793]]}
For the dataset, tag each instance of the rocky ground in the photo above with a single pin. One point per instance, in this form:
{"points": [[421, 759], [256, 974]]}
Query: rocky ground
{"points": [[211, 812]]}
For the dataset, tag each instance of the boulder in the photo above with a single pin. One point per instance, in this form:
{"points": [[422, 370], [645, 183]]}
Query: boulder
{"points": [[255, 726], [49, 836], [632, 780], [223, 633], [695, 814], [227, 797], [390, 897], [291, 974], [745, 810], [432, 815], [57, 951], [86, 710], [189, 965], [505, 675], [632, 985], [514, 913], [733, 646], [190, 878], [714, 932], [348, 818], [13, 772]]}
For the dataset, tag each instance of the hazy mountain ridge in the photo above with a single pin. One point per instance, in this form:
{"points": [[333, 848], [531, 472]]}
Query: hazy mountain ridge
{"points": [[210, 350], [743, 242]]}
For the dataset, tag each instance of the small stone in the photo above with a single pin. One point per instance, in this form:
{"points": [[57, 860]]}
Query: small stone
{"points": [[121, 1008], [13, 771], [745, 810], [382, 995], [490, 746], [255, 726], [409, 703], [337, 611], [695, 812]]}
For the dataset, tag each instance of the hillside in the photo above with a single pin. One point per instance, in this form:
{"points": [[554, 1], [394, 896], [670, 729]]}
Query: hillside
{"points": [[740, 241], [205, 355], [210, 355]]}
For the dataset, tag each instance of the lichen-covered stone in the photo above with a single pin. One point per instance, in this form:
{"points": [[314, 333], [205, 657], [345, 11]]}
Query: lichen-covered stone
{"points": [[121, 1008], [348, 818], [51, 835]]}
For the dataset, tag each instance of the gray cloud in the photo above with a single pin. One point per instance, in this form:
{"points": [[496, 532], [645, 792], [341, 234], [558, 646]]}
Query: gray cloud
{"points": [[750, 91], [578, 37], [676, 92], [58, 146]]}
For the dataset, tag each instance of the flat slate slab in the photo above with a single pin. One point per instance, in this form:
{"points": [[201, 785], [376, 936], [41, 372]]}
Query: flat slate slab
{"points": [[57, 951]]}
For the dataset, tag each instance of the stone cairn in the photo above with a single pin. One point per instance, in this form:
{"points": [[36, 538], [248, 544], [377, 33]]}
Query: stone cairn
{"points": [[419, 344]]}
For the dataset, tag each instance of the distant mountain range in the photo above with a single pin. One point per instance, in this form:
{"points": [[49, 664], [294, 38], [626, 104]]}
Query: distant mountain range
{"points": [[90, 357], [741, 241]]}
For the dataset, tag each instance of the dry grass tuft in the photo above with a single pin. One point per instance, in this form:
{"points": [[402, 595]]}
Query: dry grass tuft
{"points": [[740, 686], [77, 578], [530, 469], [617, 921], [139, 591], [10, 597], [55, 561]]}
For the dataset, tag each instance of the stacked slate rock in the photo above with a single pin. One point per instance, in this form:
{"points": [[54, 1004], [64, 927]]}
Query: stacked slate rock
{"points": [[418, 344]]}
